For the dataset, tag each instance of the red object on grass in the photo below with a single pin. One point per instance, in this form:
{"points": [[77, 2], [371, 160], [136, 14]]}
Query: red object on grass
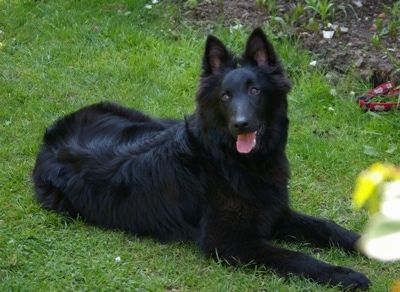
{"points": [[383, 90]]}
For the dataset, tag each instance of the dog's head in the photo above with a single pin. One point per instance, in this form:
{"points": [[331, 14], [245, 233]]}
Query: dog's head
{"points": [[242, 97]]}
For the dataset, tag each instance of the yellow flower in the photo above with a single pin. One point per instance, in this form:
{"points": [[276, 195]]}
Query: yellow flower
{"points": [[368, 182], [379, 186], [395, 286]]}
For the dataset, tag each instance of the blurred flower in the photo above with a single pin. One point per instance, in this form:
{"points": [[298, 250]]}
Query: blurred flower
{"points": [[380, 187], [391, 200], [368, 181]]}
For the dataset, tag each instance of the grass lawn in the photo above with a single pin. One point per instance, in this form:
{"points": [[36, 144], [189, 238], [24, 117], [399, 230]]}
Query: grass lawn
{"points": [[57, 56]]}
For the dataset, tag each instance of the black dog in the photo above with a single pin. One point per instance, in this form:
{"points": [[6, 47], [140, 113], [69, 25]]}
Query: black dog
{"points": [[219, 178]]}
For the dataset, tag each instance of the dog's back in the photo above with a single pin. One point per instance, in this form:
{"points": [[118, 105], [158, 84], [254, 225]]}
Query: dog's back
{"points": [[118, 168]]}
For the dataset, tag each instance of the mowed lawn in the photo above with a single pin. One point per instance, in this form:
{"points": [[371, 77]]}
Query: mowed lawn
{"points": [[57, 56]]}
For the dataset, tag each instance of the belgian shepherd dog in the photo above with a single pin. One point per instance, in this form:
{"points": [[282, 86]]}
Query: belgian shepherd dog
{"points": [[218, 177]]}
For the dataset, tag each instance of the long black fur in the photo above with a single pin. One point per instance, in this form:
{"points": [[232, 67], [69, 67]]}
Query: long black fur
{"points": [[186, 180]]}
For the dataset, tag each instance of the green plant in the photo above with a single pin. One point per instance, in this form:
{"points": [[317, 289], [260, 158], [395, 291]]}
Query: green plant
{"points": [[323, 9], [375, 40], [296, 12], [220, 4], [379, 27], [191, 4], [312, 24], [342, 7], [389, 24], [270, 6], [395, 61], [393, 28], [393, 23]]}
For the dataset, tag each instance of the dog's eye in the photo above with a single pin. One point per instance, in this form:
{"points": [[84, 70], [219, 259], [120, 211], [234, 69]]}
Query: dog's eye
{"points": [[254, 91], [225, 97]]}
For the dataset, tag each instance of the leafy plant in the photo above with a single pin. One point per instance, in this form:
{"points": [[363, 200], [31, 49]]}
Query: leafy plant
{"points": [[220, 4], [342, 7], [393, 24], [191, 4], [296, 12], [270, 6], [323, 9], [312, 24], [375, 40], [395, 61], [380, 28], [388, 24]]}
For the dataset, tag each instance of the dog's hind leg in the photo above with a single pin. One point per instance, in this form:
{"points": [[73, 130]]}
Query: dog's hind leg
{"points": [[320, 232], [49, 197]]}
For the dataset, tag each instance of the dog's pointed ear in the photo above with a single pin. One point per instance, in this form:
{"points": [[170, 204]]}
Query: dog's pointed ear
{"points": [[216, 55], [259, 51]]}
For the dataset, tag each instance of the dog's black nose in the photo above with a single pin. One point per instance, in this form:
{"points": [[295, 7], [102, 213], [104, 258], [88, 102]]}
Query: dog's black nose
{"points": [[241, 123]]}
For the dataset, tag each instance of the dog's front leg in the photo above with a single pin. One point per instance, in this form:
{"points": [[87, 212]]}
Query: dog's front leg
{"points": [[320, 232], [241, 247]]}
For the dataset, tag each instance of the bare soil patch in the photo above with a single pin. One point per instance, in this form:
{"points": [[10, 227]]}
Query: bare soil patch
{"points": [[351, 52]]}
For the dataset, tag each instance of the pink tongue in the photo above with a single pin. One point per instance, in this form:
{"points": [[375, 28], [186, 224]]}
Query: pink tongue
{"points": [[246, 142]]}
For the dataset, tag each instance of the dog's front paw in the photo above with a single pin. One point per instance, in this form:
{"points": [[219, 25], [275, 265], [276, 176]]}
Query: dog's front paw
{"points": [[348, 279]]}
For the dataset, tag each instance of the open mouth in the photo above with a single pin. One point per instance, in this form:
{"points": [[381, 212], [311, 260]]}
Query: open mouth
{"points": [[246, 142]]}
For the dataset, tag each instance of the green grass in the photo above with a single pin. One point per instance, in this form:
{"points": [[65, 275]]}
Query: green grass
{"points": [[56, 56]]}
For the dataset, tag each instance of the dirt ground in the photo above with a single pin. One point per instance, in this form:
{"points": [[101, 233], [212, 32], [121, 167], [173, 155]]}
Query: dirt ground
{"points": [[350, 52]]}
